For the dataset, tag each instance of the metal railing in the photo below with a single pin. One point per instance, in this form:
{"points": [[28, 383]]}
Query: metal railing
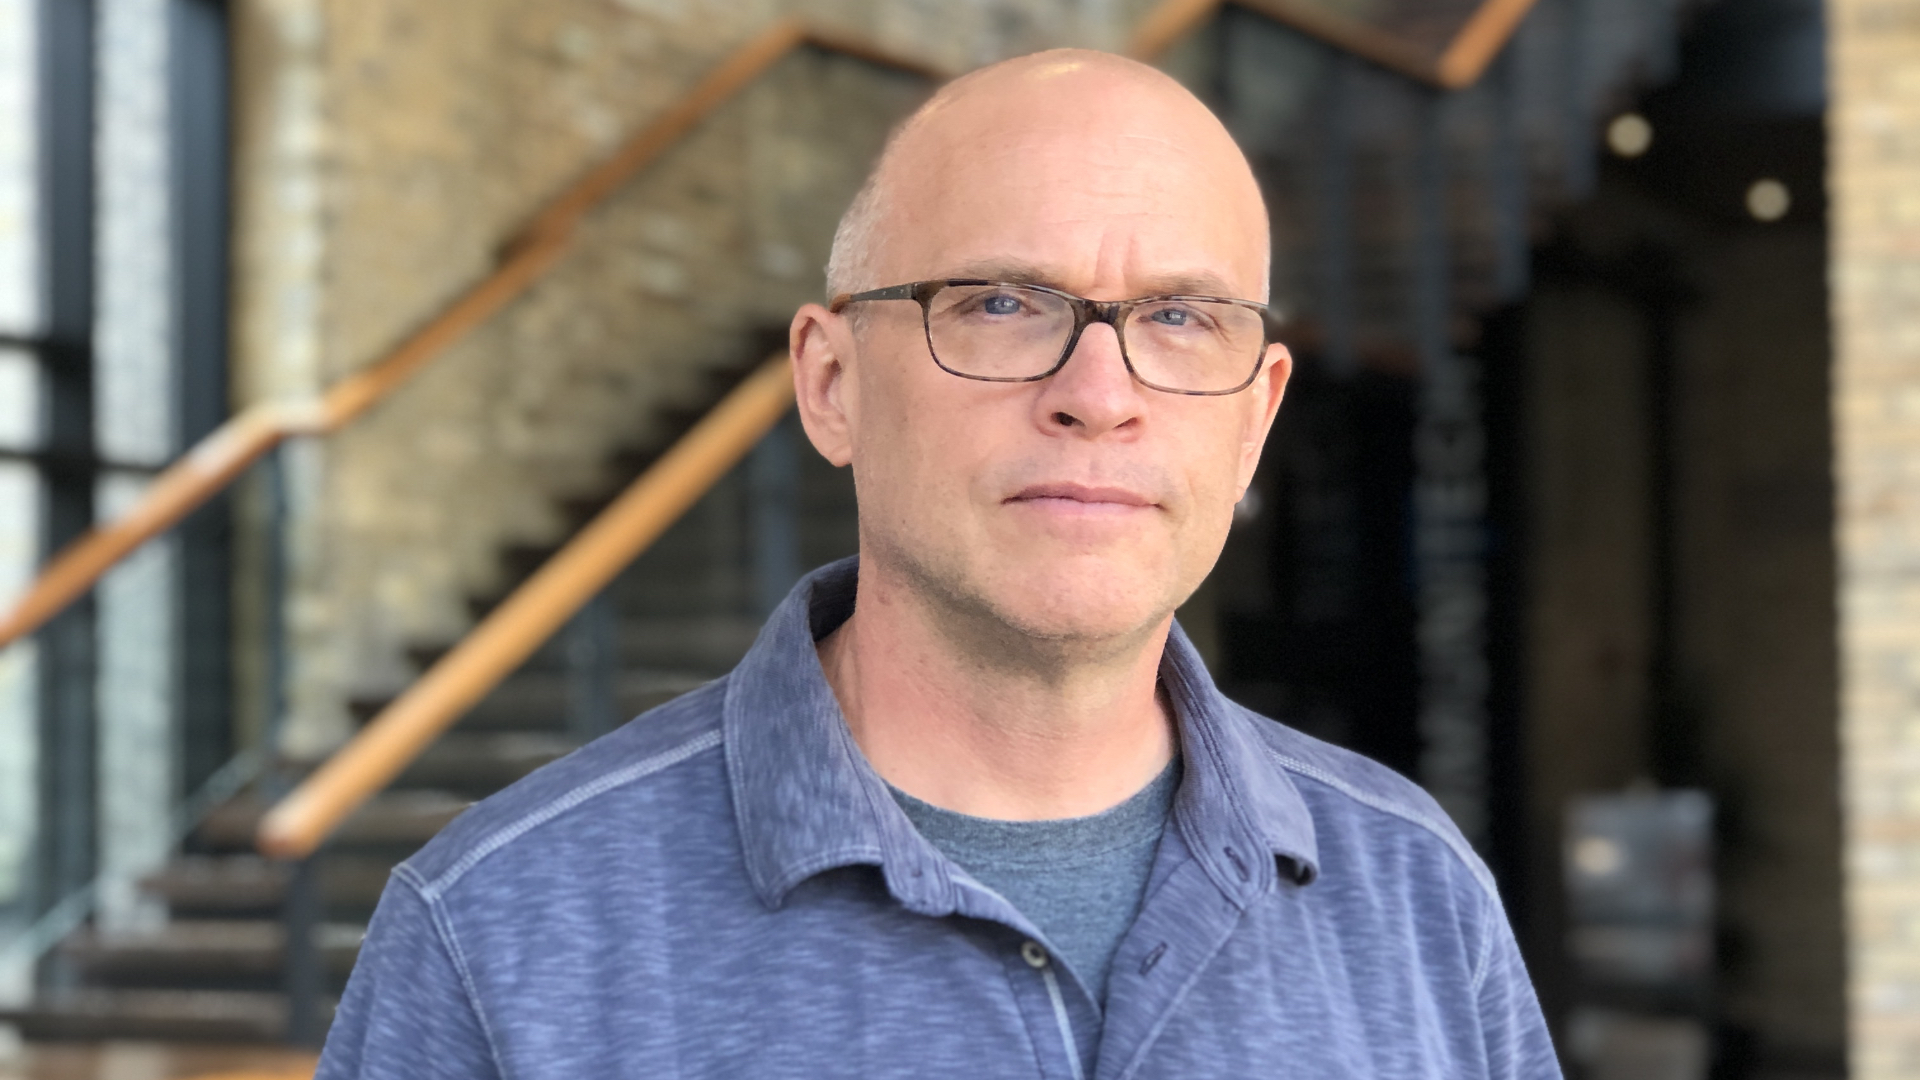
{"points": [[220, 458], [507, 636], [300, 824], [66, 915]]}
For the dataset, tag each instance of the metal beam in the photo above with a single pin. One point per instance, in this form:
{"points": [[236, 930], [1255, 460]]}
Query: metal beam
{"points": [[67, 653]]}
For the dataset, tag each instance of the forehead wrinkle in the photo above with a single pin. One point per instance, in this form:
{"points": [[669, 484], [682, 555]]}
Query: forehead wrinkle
{"points": [[1195, 281], [1126, 251]]}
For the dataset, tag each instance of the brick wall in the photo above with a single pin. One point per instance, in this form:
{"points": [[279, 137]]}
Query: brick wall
{"points": [[386, 149], [1874, 65]]}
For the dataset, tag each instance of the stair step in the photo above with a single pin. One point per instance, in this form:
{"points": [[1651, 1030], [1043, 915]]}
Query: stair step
{"points": [[651, 645], [707, 642], [687, 564], [212, 1016], [541, 700], [232, 885], [393, 818], [187, 951], [482, 762], [824, 507], [544, 698]]}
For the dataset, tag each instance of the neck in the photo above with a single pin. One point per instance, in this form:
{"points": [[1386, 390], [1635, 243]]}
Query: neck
{"points": [[996, 730]]}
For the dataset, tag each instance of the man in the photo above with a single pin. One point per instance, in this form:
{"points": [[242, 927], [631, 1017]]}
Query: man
{"points": [[973, 807]]}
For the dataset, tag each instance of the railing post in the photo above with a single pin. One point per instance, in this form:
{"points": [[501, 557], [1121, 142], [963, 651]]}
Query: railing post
{"points": [[303, 969], [68, 647], [535, 611], [1577, 105], [773, 514], [1335, 168], [593, 660], [1449, 510]]}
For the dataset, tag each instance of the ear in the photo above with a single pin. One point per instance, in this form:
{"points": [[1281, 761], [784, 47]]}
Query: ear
{"points": [[821, 344], [1263, 406]]}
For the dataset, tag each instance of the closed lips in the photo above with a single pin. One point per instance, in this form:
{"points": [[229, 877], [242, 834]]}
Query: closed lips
{"points": [[1082, 493]]}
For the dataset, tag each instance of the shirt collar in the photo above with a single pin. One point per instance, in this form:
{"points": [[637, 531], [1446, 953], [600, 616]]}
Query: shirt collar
{"points": [[806, 800]]}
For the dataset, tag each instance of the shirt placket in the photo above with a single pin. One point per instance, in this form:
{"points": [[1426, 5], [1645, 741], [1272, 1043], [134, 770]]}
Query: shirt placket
{"points": [[1180, 929], [1059, 1018]]}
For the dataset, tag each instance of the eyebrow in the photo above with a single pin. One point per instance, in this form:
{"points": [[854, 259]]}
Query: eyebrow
{"points": [[1018, 272]]}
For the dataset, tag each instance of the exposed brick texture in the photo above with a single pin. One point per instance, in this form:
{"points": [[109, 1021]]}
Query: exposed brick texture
{"points": [[1874, 72], [385, 150]]}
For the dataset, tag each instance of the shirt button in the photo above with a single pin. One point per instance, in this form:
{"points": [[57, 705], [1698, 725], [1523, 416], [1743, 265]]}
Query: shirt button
{"points": [[1034, 954]]}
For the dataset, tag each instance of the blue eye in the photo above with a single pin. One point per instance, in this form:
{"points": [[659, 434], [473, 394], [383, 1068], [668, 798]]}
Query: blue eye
{"points": [[1000, 305], [1171, 316]]}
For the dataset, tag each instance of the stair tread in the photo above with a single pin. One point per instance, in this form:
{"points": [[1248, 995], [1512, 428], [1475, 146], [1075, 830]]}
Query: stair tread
{"points": [[162, 1003], [252, 883], [180, 1015], [392, 817], [209, 936], [537, 700], [650, 645], [190, 951], [504, 747]]}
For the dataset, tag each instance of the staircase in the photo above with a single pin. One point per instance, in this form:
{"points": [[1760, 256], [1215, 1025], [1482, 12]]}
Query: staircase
{"points": [[1344, 148], [1339, 146], [681, 615]]}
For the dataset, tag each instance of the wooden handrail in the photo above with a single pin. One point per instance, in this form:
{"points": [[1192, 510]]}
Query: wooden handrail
{"points": [[1479, 41], [1367, 42], [299, 824], [507, 636], [746, 64], [1166, 24], [218, 459], [1457, 67]]}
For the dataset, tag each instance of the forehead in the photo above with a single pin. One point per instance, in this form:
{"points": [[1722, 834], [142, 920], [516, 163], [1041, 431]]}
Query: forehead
{"points": [[1091, 181]]}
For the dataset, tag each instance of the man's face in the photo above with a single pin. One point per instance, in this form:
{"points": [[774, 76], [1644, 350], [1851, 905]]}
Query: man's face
{"points": [[1084, 507]]}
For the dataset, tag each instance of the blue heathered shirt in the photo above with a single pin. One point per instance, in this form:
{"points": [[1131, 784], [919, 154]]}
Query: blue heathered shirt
{"points": [[1080, 880], [724, 888]]}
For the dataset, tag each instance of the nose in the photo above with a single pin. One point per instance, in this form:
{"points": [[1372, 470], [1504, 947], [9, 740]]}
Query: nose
{"points": [[1093, 393]]}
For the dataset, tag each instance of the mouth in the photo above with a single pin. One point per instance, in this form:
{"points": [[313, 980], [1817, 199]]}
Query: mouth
{"points": [[1083, 498]]}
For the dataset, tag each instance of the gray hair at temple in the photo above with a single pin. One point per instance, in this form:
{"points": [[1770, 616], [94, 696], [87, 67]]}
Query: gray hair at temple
{"points": [[850, 263], [856, 239]]}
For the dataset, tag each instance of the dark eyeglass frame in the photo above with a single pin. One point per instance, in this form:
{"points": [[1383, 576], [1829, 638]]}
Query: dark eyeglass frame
{"points": [[1085, 313]]}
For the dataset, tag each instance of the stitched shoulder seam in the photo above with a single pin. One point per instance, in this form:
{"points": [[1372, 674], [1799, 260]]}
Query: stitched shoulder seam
{"points": [[458, 956], [590, 790], [1485, 960], [1470, 862]]}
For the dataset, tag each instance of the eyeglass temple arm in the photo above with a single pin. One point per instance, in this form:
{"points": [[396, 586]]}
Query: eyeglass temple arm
{"points": [[891, 292]]}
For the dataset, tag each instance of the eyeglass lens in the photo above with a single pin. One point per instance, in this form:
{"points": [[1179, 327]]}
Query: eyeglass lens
{"points": [[1009, 332]]}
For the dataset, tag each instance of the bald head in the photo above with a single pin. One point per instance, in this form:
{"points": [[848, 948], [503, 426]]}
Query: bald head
{"points": [[1074, 510], [1069, 132]]}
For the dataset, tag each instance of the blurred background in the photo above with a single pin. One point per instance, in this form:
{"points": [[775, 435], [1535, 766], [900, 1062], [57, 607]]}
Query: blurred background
{"points": [[399, 367]]}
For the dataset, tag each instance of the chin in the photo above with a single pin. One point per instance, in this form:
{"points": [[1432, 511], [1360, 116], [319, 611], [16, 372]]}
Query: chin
{"points": [[1081, 598], [1051, 597]]}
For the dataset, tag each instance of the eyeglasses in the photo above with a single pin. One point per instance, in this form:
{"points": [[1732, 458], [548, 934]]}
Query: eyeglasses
{"points": [[997, 331]]}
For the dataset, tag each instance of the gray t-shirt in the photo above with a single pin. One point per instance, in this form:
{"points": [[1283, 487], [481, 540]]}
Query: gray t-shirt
{"points": [[1080, 880]]}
